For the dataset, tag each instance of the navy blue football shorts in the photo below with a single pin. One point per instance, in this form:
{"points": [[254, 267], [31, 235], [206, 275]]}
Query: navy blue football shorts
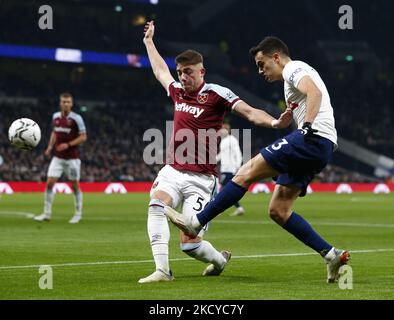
{"points": [[225, 177], [296, 160]]}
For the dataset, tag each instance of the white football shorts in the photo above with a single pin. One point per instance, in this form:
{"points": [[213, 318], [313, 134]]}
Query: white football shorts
{"points": [[70, 167], [193, 190]]}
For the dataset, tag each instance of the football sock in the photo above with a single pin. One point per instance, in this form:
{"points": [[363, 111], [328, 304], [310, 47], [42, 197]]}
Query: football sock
{"points": [[237, 205], [159, 234], [78, 203], [303, 231], [48, 200], [205, 252], [227, 197]]}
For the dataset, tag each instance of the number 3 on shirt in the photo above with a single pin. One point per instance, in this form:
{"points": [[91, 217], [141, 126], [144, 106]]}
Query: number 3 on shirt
{"points": [[276, 146]]}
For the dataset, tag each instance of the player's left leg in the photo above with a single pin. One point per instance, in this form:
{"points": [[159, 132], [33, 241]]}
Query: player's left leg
{"points": [[198, 248], [74, 173], [204, 251], [280, 210], [197, 191]]}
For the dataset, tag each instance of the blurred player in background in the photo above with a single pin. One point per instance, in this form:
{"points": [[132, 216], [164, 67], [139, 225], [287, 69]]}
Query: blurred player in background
{"points": [[68, 133], [197, 105], [230, 157], [293, 160]]}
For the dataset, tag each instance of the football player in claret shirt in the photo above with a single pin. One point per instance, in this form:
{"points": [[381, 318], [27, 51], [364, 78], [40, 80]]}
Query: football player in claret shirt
{"points": [[294, 159], [197, 106], [68, 133]]}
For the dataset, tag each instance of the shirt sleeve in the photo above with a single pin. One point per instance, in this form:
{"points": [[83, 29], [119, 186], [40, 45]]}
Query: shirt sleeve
{"points": [[293, 73], [228, 98], [173, 89], [80, 124]]}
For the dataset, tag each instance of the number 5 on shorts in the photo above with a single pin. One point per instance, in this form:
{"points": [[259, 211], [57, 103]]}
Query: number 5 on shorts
{"points": [[199, 204]]}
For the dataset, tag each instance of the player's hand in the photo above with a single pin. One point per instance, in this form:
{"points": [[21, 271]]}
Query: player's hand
{"points": [[62, 147], [309, 133], [149, 30], [284, 120], [48, 152]]}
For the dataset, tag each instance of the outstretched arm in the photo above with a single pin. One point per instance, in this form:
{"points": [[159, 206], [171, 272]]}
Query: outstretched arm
{"points": [[261, 118], [159, 66]]}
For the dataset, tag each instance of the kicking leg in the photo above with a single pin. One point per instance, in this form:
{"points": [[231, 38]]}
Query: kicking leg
{"points": [[254, 170]]}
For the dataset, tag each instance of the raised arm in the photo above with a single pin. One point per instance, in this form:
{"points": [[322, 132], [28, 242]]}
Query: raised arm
{"points": [[261, 118], [159, 66]]}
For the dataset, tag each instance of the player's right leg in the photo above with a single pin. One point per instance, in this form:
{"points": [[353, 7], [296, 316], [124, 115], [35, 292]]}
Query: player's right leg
{"points": [[159, 237], [255, 169], [163, 193], [48, 201], [55, 170]]}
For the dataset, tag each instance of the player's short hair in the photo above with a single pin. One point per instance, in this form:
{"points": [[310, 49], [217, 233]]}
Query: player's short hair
{"points": [[269, 45], [66, 95], [189, 57]]}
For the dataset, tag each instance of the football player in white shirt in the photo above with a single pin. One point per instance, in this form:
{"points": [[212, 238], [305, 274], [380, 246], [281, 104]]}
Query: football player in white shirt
{"points": [[230, 157], [294, 160]]}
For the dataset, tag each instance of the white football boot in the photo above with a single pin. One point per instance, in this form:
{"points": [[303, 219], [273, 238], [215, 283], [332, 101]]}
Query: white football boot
{"points": [[335, 258], [75, 219], [42, 217], [211, 270], [157, 276], [187, 223], [238, 212]]}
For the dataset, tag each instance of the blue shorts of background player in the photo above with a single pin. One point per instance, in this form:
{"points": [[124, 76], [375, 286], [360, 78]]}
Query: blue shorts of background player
{"points": [[296, 160]]}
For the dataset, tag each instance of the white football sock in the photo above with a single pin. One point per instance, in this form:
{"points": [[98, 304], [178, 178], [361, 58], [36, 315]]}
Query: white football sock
{"points": [[204, 251], [159, 234], [330, 255], [78, 198], [48, 201]]}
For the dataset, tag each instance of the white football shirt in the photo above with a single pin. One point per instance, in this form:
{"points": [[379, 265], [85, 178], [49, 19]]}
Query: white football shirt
{"points": [[230, 155], [324, 122]]}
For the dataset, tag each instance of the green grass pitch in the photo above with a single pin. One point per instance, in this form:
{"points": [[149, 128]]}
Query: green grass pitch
{"points": [[104, 256]]}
